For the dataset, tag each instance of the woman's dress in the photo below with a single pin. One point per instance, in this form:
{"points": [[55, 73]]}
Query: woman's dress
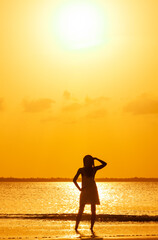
{"points": [[89, 193]]}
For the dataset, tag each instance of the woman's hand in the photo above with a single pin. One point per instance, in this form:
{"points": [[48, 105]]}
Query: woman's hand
{"points": [[97, 159], [81, 189]]}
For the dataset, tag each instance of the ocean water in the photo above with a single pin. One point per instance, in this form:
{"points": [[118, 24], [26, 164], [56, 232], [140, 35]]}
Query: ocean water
{"points": [[126, 198], [48, 209]]}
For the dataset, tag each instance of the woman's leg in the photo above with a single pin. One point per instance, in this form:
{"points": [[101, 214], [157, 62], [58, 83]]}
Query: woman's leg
{"points": [[93, 216], [79, 215]]}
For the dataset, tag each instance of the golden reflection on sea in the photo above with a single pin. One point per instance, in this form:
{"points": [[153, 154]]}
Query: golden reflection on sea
{"points": [[131, 198]]}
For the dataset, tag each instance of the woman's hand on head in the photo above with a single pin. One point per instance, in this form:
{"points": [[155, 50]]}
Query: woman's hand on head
{"points": [[81, 189]]}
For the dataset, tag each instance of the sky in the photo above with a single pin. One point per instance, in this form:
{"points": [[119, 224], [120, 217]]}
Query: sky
{"points": [[78, 78]]}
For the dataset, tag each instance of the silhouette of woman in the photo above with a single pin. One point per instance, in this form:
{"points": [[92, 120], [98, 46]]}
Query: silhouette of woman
{"points": [[89, 192]]}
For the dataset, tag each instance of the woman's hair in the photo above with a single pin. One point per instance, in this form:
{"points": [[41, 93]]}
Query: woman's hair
{"points": [[88, 162]]}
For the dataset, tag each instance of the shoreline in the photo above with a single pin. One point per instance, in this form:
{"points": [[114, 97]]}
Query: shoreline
{"points": [[86, 216]]}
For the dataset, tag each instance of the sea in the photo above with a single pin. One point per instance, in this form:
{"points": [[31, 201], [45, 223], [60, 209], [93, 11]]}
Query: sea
{"points": [[47, 210]]}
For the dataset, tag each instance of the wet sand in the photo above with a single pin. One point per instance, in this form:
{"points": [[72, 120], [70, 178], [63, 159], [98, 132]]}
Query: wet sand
{"points": [[48, 229]]}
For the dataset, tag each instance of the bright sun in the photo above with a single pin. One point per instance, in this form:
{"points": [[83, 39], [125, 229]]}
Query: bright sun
{"points": [[80, 25]]}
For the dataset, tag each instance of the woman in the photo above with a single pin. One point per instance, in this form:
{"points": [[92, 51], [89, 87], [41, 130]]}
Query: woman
{"points": [[89, 192]]}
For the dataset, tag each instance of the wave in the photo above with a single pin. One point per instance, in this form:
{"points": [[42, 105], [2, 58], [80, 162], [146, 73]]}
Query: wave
{"points": [[72, 217]]}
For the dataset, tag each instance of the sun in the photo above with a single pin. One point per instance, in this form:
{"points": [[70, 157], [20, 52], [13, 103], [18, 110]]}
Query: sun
{"points": [[80, 25]]}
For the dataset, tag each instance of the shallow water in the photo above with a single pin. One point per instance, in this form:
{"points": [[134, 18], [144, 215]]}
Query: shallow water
{"points": [[119, 198]]}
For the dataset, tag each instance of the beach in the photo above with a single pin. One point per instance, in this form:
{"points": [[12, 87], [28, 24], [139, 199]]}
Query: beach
{"points": [[50, 229]]}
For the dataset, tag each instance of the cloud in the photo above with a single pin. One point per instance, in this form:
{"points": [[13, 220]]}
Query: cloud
{"points": [[1, 104], [67, 95], [100, 113], [143, 104], [95, 101], [88, 108], [39, 105], [72, 107]]}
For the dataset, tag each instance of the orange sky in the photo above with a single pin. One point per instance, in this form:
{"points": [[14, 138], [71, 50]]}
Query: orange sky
{"points": [[59, 103]]}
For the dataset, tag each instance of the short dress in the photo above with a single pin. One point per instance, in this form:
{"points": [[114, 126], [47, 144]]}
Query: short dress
{"points": [[89, 194]]}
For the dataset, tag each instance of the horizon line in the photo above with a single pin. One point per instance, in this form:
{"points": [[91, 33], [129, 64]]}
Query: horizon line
{"points": [[68, 179]]}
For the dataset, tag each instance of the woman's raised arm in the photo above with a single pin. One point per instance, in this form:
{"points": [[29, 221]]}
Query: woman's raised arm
{"points": [[103, 164]]}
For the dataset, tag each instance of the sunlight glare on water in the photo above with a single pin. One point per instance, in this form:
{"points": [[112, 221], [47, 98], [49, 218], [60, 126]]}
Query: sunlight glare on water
{"points": [[63, 197]]}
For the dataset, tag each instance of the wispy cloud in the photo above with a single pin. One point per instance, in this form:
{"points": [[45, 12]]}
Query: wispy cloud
{"points": [[38, 105], [95, 101], [95, 106], [92, 108], [143, 104], [66, 95], [69, 97], [1, 104]]}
